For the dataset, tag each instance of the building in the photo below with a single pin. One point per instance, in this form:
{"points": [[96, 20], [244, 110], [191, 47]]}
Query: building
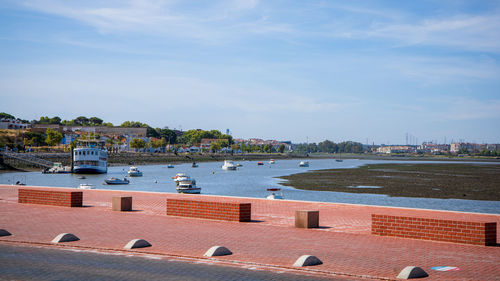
{"points": [[13, 124]]}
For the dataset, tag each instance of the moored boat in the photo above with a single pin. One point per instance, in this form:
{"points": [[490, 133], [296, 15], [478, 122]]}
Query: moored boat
{"points": [[260, 163], [117, 181], [304, 164], [194, 165], [90, 157], [188, 186], [271, 161], [134, 172], [228, 166], [276, 193], [86, 186], [170, 166]]}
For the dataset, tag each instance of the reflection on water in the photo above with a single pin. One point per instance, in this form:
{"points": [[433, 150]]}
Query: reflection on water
{"points": [[250, 180]]}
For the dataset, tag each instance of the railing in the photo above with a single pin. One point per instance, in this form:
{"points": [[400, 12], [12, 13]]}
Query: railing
{"points": [[27, 158]]}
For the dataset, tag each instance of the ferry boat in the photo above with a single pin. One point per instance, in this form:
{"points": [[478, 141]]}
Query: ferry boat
{"points": [[90, 157]]}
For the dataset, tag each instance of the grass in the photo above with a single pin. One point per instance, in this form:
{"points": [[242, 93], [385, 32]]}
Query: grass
{"points": [[458, 181]]}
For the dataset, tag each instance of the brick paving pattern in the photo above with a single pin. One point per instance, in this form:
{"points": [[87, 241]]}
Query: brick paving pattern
{"points": [[343, 241]]}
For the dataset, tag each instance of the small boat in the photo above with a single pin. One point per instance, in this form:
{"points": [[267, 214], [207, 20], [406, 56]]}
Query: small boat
{"points": [[276, 193], [339, 160], [304, 164], [117, 181], [188, 186], [81, 177], [238, 165], [134, 172], [271, 161], [182, 177], [194, 165], [86, 186], [170, 166], [260, 163], [228, 166]]}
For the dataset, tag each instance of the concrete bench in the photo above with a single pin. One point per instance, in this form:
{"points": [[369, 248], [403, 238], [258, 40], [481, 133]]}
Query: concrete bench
{"points": [[121, 203], [202, 209], [306, 219], [465, 232], [50, 197]]}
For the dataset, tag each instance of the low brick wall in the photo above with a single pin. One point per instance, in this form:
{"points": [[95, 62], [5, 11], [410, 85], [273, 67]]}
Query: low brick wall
{"points": [[466, 232], [209, 210], [50, 197]]}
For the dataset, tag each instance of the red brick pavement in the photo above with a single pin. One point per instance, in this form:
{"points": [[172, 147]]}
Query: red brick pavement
{"points": [[343, 242]]}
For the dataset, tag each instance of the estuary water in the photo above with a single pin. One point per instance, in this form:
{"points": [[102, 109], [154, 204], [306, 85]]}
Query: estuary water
{"points": [[250, 180]]}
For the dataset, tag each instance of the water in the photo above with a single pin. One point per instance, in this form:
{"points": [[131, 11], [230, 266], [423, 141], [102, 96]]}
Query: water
{"points": [[250, 180]]}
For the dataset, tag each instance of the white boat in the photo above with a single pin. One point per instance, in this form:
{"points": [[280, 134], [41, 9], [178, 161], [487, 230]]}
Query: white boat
{"points": [[134, 172], [194, 165], [117, 181], [90, 157], [86, 186], [182, 177], [170, 166], [271, 161], [304, 164], [276, 193], [229, 166], [58, 168], [188, 186]]}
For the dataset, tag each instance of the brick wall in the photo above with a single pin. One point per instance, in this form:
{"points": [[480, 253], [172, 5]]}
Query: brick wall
{"points": [[49, 197], [466, 232], [209, 210]]}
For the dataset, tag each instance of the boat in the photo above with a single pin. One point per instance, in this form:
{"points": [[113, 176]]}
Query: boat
{"points": [[90, 157], [188, 186], [276, 193], [86, 186], [117, 181], [239, 165], [271, 161], [304, 164], [134, 172], [228, 166], [260, 163], [194, 165], [170, 166], [339, 160], [57, 168], [182, 177]]}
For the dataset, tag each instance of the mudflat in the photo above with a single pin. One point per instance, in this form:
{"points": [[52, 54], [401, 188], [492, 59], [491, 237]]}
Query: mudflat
{"points": [[439, 180]]}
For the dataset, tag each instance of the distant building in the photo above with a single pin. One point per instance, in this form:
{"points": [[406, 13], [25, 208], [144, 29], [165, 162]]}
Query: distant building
{"points": [[13, 124]]}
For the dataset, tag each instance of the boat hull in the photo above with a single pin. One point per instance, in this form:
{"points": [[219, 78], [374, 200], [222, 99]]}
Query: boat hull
{"points": [[89, 170], [190, 190]]}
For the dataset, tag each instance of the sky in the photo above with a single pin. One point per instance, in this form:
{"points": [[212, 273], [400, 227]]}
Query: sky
{"points": [[305, 71]]}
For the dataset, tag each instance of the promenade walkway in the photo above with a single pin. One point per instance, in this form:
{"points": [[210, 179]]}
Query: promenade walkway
{"points": [[271, 242]]}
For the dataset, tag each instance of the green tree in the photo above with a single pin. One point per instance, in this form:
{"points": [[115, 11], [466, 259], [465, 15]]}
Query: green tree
{"points": [[6, 116], [169, 135], [53, 137], [94, 121], [215, 146], [137, 143], [155, 143], [281, 148]]}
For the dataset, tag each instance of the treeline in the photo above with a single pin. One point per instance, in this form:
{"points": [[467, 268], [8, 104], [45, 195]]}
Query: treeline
{"points": [[330, 147]]}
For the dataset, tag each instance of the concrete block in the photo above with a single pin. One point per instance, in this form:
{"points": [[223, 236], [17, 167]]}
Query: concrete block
{"points": [[65, 237], [218, 251], [137, 243], [122, 203], [4, 232], [307, 260], [411, 272], [306, 219]]}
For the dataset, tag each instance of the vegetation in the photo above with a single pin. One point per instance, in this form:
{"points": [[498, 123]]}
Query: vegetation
{"points": [[53, 137], [137, 143], [459, 181], [330, 147], [193, 137]]}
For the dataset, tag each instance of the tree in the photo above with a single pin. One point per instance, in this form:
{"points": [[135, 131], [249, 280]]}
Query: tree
{"points": [[34, 139], [155, 143], [53, 137], [6, 116], [94, 121], [81, 120], [281, 148], [215, 146], [137, 143], [169, 135]]}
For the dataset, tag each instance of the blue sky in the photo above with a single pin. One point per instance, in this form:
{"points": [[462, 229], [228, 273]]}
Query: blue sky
{"points": [[368, 71]]}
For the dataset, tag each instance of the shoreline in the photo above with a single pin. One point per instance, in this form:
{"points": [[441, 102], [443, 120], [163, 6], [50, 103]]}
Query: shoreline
{"points": [[409, 180]]}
